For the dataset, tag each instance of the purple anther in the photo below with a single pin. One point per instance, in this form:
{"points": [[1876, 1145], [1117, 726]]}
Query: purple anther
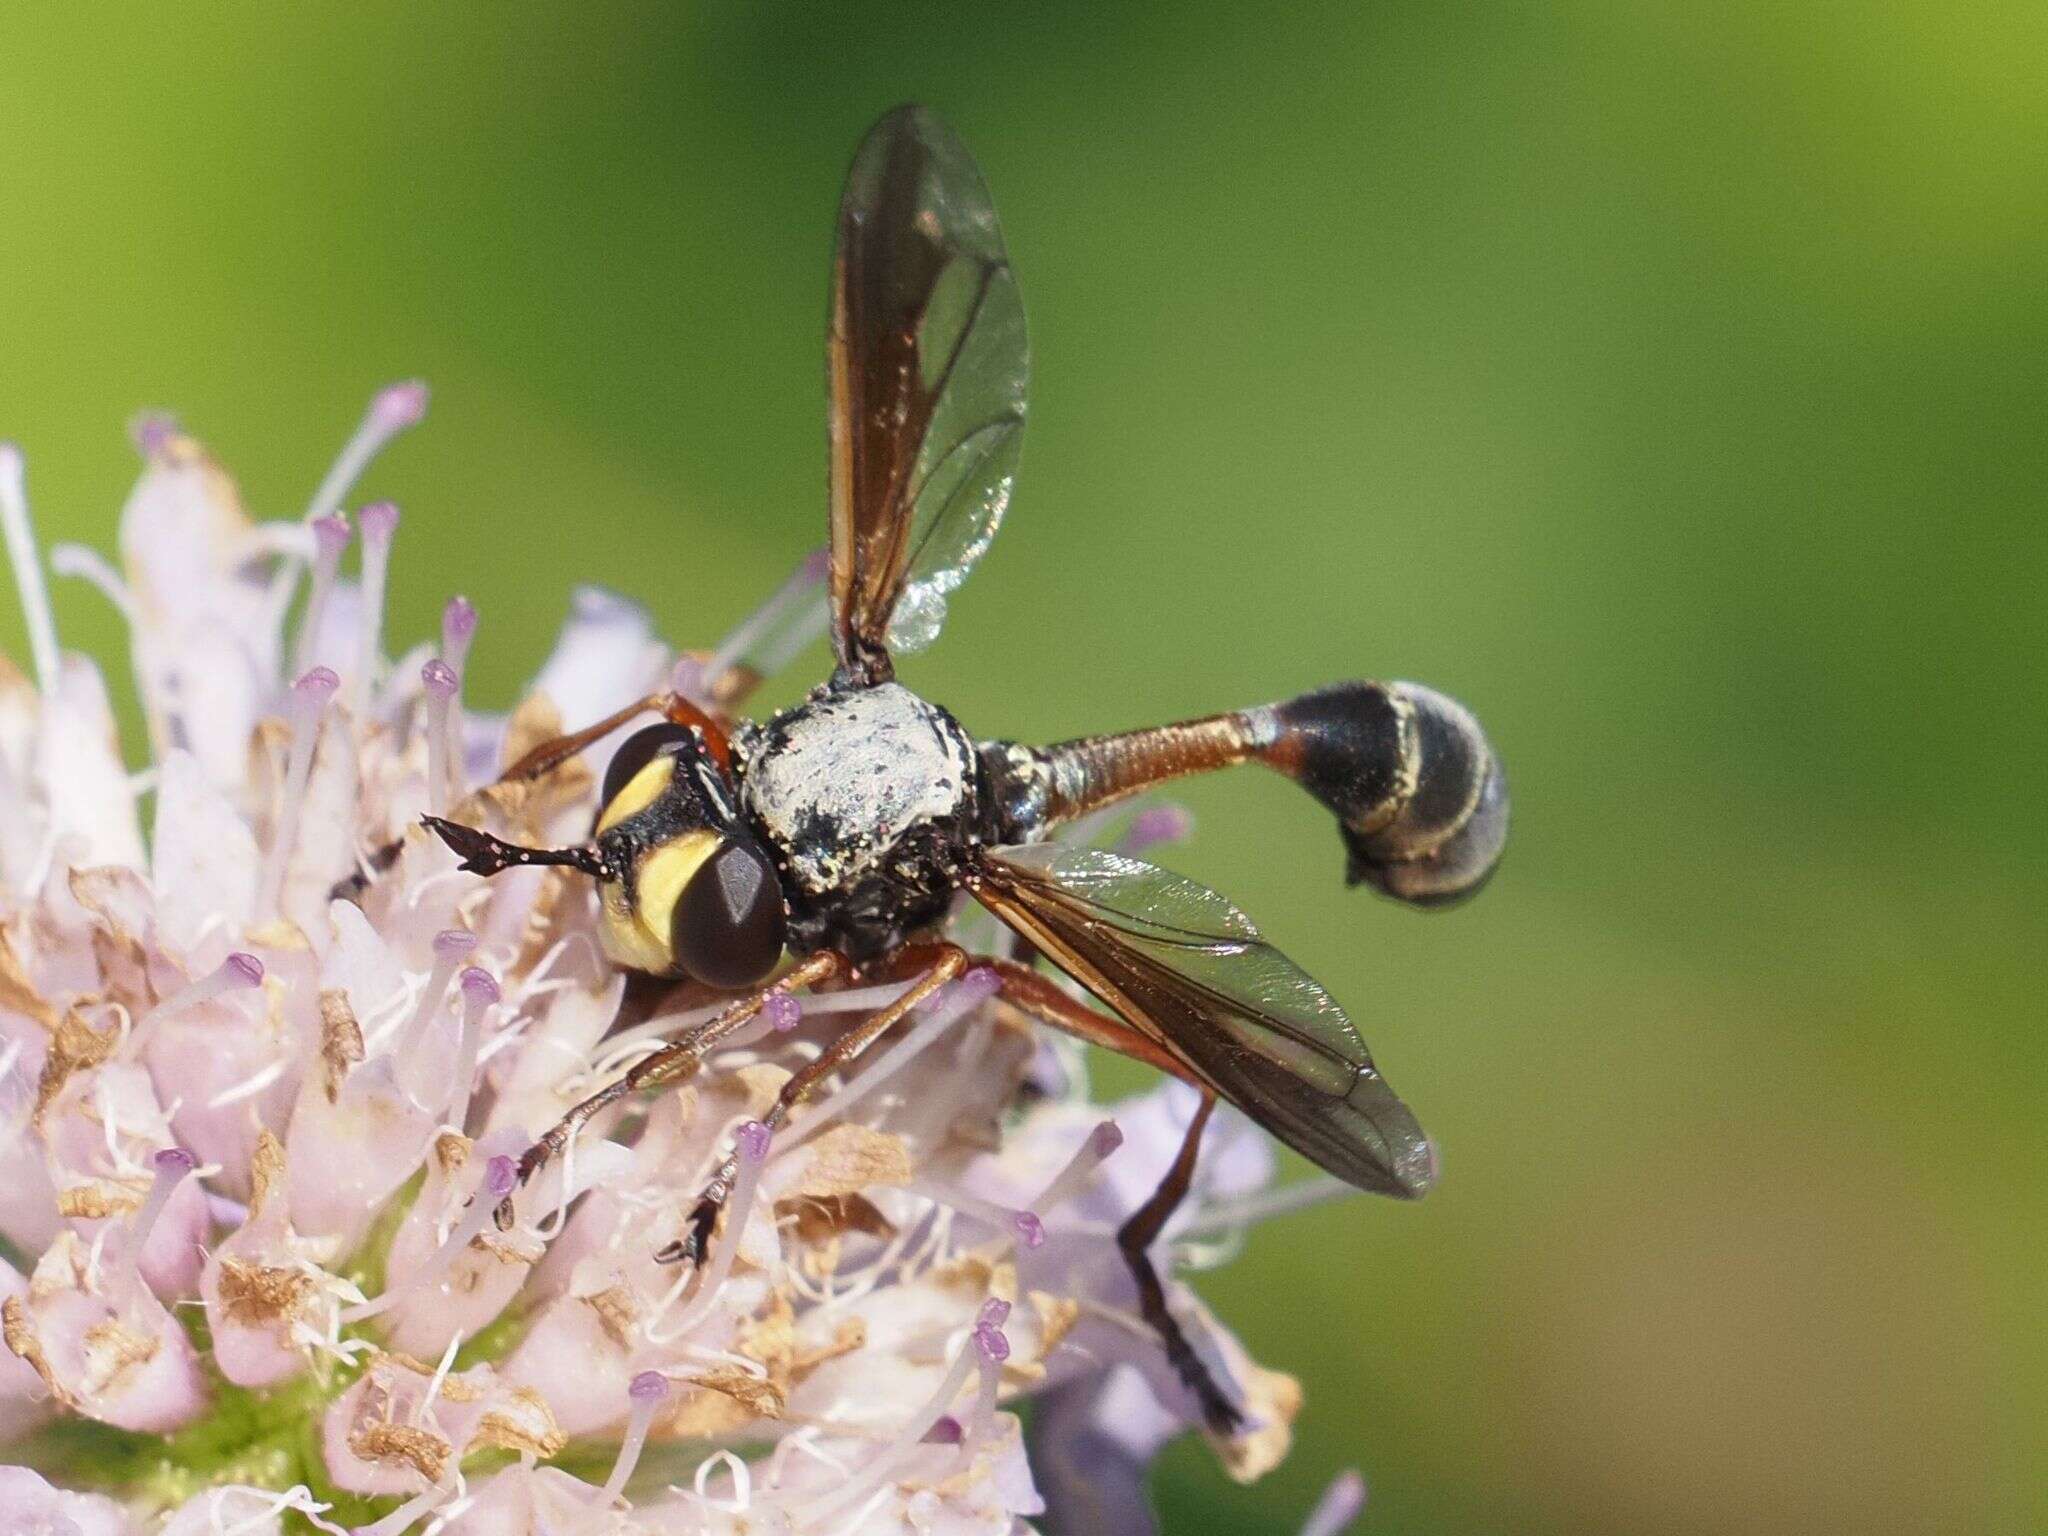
{"points": [[379, 520], [439, 679], [752, 1138], [784, 1012], [945, 1430], [152, 430], [450, 943], [979, 984], [993, 1314], [317, 686], [993, 1344], [480, 987], [243, 969], [400, 405], [648, 1387], [1030, 1230], [175, 1160], [331, 535], [1105, 1138], [458, 619], [1160, 824], [501, 1177]]}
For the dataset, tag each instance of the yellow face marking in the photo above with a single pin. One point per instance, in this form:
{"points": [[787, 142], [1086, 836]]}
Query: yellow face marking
{"points": [[626, 941], [641, 791], [635, 931]]}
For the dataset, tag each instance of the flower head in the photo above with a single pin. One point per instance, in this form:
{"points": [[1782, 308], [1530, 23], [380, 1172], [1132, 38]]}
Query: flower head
{"points": [[268, 1075]]}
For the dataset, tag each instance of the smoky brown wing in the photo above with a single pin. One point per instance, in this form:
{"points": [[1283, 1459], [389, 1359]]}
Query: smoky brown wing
{"points": [[927, 363], [1181, 964]]}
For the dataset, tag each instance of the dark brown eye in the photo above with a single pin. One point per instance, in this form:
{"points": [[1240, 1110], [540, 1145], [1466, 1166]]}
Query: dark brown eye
{"points": [[728, 925], [636, 752]]}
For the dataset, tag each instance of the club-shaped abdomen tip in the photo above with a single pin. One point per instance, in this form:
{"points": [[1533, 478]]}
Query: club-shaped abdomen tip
{"points": [[1419, 794], [1444, 841]]}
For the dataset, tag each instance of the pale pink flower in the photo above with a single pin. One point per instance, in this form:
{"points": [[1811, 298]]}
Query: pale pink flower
{"points": [[265, 1073]]}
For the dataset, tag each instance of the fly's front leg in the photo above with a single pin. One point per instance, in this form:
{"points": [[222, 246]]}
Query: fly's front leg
{"points": [[675, 1062], [944, 963], [1135, 1239], [552, 753]]}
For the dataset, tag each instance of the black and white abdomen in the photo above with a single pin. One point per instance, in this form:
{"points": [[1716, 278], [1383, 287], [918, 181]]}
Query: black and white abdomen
{"points": [[868, 798], [1418, 791]]}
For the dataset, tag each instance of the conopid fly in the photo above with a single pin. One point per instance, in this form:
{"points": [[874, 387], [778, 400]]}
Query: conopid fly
{"points": [[839, 832]]}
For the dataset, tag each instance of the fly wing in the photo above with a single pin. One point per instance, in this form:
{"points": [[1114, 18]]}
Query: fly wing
{"points": [[927, 362], [1182, 965]]}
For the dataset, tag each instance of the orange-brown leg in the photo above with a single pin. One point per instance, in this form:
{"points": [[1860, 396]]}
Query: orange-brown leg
{"points": [[1041, 997], [947, 961], [674, 1062]]}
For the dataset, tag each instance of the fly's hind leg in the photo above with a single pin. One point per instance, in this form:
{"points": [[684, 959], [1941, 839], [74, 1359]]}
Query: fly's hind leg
{"points": [[935, 965], [1135, 1238], [676, 1061]]}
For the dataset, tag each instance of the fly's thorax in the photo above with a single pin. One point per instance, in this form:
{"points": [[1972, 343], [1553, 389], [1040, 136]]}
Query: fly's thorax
{"points": [[870, 799], [690, 889]]}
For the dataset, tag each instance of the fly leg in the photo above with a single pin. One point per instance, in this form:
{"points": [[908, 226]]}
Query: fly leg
{"points": [[557, 750], [940, 963], [676, 1061], [1041, 997], [1135, 1238]]}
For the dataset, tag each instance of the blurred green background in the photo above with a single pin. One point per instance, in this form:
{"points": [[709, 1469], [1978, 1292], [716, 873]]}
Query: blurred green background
{"points": [[1666, 381]]}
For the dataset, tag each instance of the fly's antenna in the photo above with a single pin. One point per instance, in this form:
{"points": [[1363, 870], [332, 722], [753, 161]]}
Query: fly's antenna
{"points": [[483, 854]]}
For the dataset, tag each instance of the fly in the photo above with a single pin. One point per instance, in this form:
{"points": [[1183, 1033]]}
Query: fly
{"points": [[829, 841]]}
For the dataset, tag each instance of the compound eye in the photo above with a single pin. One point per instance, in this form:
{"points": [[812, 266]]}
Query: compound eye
{"points": [[636, 752], [728, 926]]}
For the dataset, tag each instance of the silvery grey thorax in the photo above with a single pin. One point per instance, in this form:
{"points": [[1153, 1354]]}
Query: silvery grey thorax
{"points": [[867, 797]]}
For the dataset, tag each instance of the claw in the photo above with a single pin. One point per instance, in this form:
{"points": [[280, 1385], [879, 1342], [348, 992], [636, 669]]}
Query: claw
{"points": [[481, 853], [695, 1242]]}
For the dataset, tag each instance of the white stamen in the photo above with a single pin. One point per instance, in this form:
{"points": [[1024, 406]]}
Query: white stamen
{"points": [[331, 536], [751, 1140], [403, 1516], [240, 970], [768, 639], [1080, 1168], [413, 1054], [249, 1086], [390, 413], [500, 1178], [1235, 1215], [648, 1391], [28, 568], [380, 523], [458, 629], [991, 1349], [899, 1448], [1342, 1502], [306, 707], [171, 1166], [83, 563], [441, 685], [742, 1482], [434, 1384], [479, 995]]}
